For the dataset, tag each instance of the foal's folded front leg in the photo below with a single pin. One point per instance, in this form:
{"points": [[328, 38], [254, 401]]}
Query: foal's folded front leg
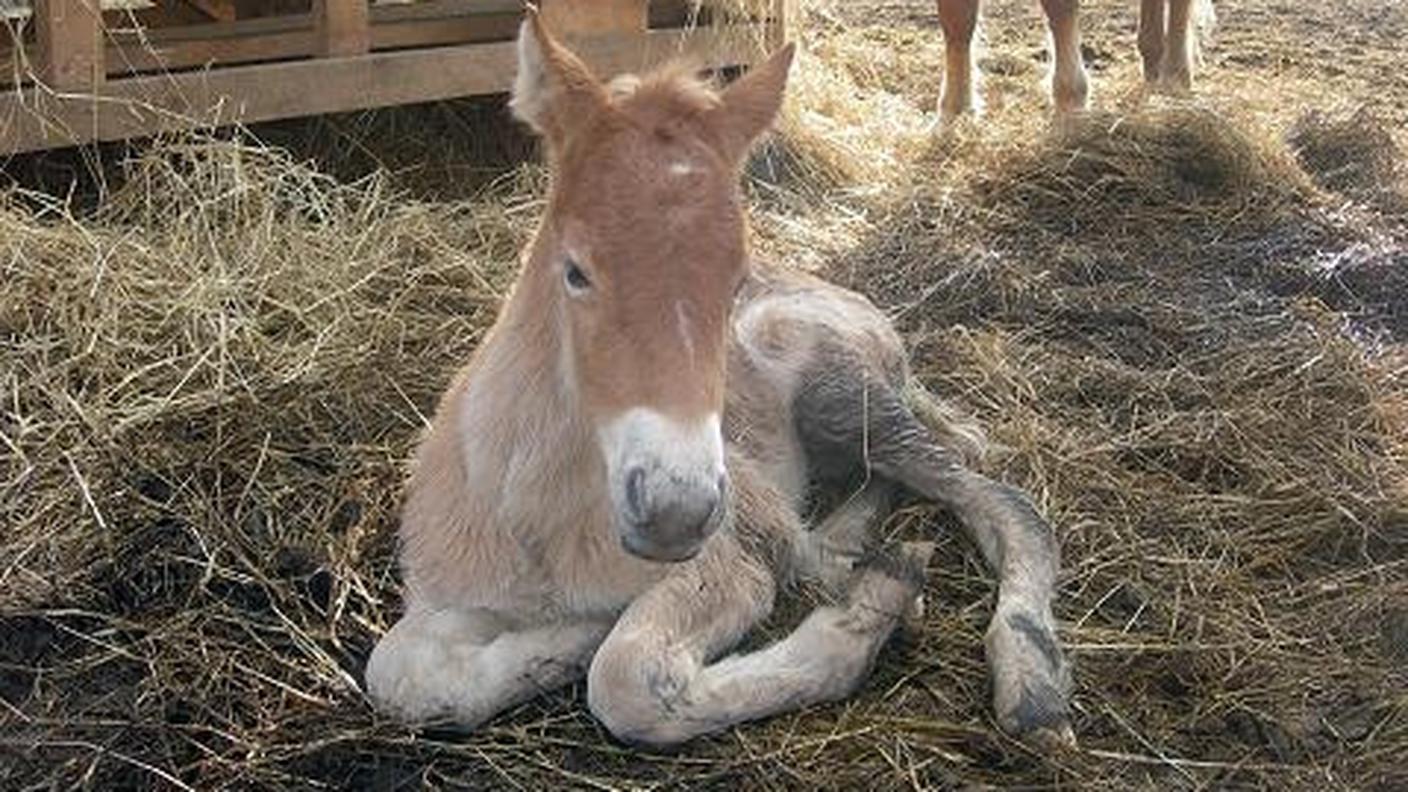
{"points": [[466, 665], [654, 679]]}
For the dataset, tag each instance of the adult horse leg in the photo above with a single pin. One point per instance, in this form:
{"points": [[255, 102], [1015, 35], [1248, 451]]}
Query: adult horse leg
{"points": [[467, 665], [844, 409], [1070, 87], [655, 679], [959, 19], [1152, 27], [1176, 68]]}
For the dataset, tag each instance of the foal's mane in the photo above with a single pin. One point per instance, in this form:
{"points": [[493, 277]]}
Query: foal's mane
{"points": [[667, 99]]}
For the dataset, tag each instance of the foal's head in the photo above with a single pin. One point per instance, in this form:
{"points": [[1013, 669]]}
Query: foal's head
{"points": [[637, 261]]}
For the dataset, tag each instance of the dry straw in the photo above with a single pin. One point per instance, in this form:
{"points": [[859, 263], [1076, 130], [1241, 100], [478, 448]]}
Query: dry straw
{"points": [[1184, 346]]}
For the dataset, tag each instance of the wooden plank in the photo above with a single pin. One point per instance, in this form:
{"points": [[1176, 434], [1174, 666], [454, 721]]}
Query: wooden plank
{"points": [[69, 33], [286, 38], [139, 106], [342, 27], [594, 17], [129, 55], [221, 10], [443, 32], [440, 9]]}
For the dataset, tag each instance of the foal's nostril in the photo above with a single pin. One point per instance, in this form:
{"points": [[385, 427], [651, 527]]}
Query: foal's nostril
{"points": [[635, 496]]}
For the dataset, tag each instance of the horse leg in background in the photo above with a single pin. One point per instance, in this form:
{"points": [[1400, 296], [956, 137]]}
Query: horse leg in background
{"points": [[1070, 87], [842, 411], [1152, 27], [959, 20], [467, 665], [1176, 68], [655, 680]]}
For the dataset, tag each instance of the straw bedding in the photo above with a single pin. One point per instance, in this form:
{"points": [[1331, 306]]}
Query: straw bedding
{"points": [[1182, 328]]}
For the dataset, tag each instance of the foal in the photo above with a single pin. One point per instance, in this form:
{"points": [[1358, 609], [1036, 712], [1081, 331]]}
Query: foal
{"points": [[1166, 45], [612, 486]]}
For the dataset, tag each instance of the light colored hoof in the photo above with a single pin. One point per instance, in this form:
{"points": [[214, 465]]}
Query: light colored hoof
{"points": [[1173, 81], [888, 584], [956, 110], [1070, 94], [1054, 740]]}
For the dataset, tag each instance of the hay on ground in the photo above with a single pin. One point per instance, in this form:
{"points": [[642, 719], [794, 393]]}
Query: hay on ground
{"points": [[1178, 342]]}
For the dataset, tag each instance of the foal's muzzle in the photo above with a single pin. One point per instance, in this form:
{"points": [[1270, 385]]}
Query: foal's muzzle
{"points": [[668, 488]]}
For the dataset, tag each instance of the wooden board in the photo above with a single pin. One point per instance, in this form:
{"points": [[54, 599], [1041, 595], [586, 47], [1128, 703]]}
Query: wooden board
{"points": [[594, 17], [69, 33], [343, 27], [285, 38], [137, 106]]}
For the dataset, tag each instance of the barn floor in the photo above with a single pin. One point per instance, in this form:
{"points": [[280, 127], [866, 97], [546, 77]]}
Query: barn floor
{"points": [[1185, 328]]}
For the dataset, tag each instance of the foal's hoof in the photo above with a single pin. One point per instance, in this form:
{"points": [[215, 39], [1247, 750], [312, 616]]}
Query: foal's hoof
{"points": [[888, 583], [1039, 716], [1052, 741], [1030, 676]]}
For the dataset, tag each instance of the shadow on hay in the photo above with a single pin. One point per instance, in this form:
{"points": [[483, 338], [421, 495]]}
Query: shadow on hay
{"points": [[1140, 310]]}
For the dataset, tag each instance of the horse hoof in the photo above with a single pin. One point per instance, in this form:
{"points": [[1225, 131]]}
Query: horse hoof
{"points": [[1053, 740]]}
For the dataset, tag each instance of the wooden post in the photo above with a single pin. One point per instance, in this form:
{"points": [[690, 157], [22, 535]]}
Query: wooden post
{"points": [[70, 34], [343, 27], [592, 17]]}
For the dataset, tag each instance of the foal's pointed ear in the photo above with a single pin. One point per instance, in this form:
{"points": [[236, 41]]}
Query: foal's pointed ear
{"points": [[748, 106], [554, 91]]}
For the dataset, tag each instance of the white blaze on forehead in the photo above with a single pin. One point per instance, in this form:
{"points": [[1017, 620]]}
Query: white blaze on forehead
{"points": [[686, 452], [682, 168]]}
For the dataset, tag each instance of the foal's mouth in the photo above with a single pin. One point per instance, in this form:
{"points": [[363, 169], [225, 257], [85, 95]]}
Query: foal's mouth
{"points": [[666, 480], [644, 541], [640, 548]]}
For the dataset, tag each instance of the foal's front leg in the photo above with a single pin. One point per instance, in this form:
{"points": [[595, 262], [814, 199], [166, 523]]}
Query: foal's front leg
{"points": [[654, 679], [467, 665]]}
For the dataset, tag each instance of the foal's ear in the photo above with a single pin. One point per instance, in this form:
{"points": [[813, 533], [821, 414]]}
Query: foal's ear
{"points": [[748, 106], [554, 91]]}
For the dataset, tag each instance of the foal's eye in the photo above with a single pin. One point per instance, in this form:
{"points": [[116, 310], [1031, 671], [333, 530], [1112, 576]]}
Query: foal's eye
{"points": [[577, 280]]}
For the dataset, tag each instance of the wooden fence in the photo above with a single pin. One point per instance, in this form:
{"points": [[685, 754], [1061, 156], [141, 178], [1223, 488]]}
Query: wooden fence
{"points": [[75, 74]]}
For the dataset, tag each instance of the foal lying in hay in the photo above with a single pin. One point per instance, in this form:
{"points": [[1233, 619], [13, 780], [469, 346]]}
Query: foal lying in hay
{"points": [[614, 485]]}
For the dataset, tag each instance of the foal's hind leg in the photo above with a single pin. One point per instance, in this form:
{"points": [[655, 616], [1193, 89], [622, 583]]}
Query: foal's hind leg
{"points": [[841, 410], [465, 665]]}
